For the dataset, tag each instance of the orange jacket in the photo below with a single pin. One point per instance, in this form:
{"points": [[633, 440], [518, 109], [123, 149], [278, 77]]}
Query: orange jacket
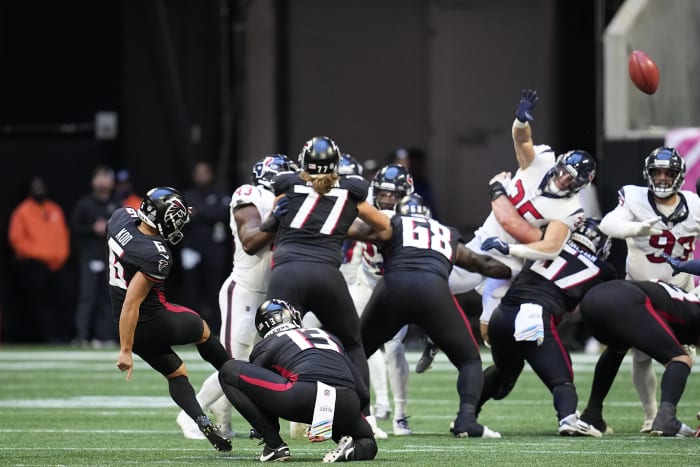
{"points": [[39, 231]]}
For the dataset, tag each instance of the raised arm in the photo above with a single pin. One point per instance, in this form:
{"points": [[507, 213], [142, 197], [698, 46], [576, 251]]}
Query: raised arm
{"points": [[378, 221], [522, 133]]}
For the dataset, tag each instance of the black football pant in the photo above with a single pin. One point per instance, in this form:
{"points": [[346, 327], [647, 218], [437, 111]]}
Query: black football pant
{"points": [[263, 396]]}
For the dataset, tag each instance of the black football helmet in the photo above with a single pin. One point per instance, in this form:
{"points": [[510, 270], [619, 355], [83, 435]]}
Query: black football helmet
{"points": [[393, 179], [319, 156], [166, 210], [266, 168], [413, 205], [276, 315], [589, 236], [572, 172], [349, 165], [664, 158]]}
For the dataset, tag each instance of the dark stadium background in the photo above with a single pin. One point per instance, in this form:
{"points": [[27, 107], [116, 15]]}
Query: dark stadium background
{"points": [[228, 81]]}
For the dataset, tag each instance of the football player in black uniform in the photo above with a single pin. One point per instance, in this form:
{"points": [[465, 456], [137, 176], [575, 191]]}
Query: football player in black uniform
{"points": [[314, 211], [139, 263], [418, 255], [289, 370], [536, 302], [654, 317]]}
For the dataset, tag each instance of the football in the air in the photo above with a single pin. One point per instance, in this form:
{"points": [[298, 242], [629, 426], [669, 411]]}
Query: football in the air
{"points": [[643, 72]]}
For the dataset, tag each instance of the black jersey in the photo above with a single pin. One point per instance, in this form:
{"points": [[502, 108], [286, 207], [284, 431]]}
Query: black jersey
{"points": [[420, 244], [679, 309], [559, 284], [131, 251], [316, 225], [305, 354]]}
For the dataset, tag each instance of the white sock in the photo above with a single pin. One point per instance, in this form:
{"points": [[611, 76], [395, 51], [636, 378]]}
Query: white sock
{"points": [[644, 378], [398, 370], [210, 392], [377, 378]]}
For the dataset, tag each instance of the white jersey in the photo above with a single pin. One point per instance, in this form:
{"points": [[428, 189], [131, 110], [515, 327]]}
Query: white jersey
{"points": [[677, 238], [372, 261], [251, 271], [535, 206]]}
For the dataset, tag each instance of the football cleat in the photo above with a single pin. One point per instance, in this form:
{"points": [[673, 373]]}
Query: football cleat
{"points": [[666, 423], [595, 418], [344, 452], [378, 432], [221, 409], [213, 434], [279, 454], [401, 427], [572, 425], [646, 426], [382, 412], [189, 428], [426, 359], [472, 430]]}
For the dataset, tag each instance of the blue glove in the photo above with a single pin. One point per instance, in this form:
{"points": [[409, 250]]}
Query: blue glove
{"points": [[496, 243], [674, 262], [528, 101], [281, 208]]}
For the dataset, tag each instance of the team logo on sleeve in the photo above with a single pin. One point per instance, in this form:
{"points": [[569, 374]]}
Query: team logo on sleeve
{"points": [[162, 265]]}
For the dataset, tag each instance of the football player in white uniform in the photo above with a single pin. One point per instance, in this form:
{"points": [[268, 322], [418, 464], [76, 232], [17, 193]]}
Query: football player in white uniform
{"points": [[543, 192], [244, 290], [654, 220]]}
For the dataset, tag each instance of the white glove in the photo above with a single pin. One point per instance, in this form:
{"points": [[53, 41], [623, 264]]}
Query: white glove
{"points": [[644, 228], [503, 178]]}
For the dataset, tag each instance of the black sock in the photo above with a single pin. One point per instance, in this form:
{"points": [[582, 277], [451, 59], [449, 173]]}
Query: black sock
{"points": [[365, 449], [182, 392], [565, 400], [605, 371], [212, 351], [470, 381], [673, 382]]}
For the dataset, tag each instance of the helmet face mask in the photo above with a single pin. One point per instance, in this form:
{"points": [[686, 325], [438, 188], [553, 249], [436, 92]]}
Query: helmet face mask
{"points": [[572, 172], [395, 179], [413, 205], [276, 315], [320, 156], [165, 210], [589, 236], [268, 167], [664, 171]]}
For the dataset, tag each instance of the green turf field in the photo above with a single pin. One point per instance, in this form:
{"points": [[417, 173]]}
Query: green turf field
{"points": [[60, 406]]}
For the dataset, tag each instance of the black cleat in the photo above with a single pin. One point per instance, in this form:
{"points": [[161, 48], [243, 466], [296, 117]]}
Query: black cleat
{"points": [[426, 359], [279, 454], [213, 434]]}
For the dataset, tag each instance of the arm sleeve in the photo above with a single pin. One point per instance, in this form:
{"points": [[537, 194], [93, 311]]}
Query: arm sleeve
{"points": [[691, 267]]}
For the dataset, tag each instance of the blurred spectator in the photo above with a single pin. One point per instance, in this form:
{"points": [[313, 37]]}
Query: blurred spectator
{"points": [[124, 191], [414, 160], [206, 249], [371, 167], [39, 237], [93, 320]]}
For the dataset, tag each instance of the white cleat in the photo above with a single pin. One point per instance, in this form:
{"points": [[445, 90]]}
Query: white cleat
{"points": [[571, 425], [646, 426], [188, 426], [378, 432]]}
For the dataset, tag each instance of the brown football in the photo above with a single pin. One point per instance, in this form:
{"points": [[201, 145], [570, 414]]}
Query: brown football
{"points": [[643, 72]]}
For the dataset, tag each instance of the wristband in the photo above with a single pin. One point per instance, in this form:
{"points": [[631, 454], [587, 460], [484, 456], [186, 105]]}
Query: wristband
{"points": [[497, 190], [518, 124]]}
